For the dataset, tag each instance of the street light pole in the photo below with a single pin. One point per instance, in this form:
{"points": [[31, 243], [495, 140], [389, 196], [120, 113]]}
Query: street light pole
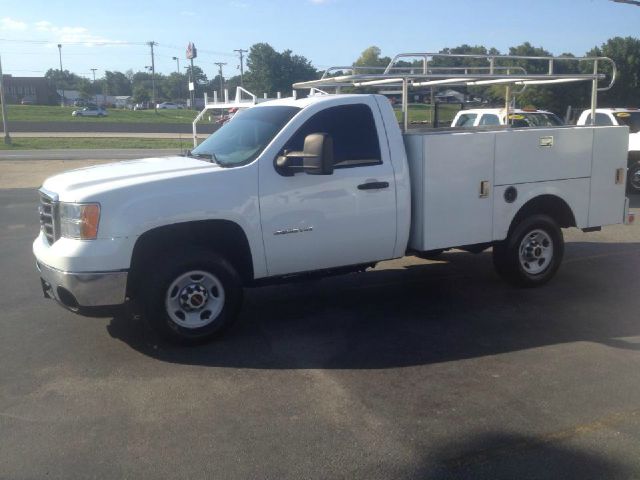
{"points": [[153, 73], [94, 83], [61, 74], [5, 126], [178, 72]]}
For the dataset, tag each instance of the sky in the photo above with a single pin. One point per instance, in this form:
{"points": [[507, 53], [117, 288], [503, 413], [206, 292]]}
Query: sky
{"points": [[112, 35]]}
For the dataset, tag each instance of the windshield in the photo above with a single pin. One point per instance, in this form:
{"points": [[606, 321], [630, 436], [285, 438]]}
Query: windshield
{"points": [[537, 119], [631, 119], [242, 139]]}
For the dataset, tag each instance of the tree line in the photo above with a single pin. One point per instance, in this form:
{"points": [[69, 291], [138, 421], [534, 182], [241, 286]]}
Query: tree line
{"points": [[270, 71], [625, 52]]}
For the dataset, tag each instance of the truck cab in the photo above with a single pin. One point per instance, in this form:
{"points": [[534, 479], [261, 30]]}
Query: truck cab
{"points": [[629, 117]]}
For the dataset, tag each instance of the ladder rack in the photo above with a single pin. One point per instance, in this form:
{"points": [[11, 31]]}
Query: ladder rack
{"points": [[411, 70]]}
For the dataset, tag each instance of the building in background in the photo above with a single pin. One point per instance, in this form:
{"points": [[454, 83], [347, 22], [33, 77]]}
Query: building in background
{"points": [[28, 90]]}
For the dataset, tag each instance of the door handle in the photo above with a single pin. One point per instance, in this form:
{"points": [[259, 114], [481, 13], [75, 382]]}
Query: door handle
{"points": [[373, 185]]}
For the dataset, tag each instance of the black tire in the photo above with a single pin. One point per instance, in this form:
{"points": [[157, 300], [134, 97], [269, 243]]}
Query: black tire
{"points": [[537, 263], [157, 298], [633, 179]]}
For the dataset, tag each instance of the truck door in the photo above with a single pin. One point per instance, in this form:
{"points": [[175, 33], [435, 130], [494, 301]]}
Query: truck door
{"points": [[313, 222]]}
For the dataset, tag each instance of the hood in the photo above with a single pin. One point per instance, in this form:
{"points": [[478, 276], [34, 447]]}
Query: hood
{"points": [[79, 184]]}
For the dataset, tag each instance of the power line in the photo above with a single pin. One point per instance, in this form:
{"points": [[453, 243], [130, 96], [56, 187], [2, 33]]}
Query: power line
{"points": [[630, 2], [88, 42]]}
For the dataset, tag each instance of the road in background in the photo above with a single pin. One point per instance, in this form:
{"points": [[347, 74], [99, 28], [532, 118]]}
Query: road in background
{"points": [[89, 154], [18, 169], [106, 126]]}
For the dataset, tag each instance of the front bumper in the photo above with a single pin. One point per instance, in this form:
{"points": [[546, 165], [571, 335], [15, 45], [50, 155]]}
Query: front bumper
{"points": [[86, 290]]}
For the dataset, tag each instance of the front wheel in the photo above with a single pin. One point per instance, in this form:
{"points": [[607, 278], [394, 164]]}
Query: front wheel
{"points": [[193, 297], [532, 253], [633, 180]]}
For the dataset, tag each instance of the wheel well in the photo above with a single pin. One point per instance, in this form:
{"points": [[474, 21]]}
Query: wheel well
{"points": [[221, 236], [550, 205]]}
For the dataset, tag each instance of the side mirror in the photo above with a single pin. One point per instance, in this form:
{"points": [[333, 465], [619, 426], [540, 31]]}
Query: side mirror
{"points": [[315, 159]]}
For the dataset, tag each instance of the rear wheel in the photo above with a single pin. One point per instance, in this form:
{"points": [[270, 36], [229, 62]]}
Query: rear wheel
{"points": [[193, 297], [633, 180], [532, 253]]}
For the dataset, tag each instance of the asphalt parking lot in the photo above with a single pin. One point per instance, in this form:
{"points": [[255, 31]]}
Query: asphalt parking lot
{"points": [[430, 370]]}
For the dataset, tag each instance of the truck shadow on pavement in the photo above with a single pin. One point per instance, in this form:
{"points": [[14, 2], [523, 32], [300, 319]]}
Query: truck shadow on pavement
{"points": [[511, 455], [420, 314]]}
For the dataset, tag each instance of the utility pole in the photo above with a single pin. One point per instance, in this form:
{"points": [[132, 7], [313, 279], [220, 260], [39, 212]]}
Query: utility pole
{"points": [[192, 79], [177, 63], [220, 65], [61, 74], [5, 126], [188, 74], [153, 73], [94, 82], [241, 52]]}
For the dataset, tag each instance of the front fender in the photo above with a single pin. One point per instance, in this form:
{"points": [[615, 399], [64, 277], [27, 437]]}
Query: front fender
{"points": [[224, 194]]}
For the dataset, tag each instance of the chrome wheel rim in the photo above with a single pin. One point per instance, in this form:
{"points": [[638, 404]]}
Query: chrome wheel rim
{"points": [[195, 299], [536, 252]]}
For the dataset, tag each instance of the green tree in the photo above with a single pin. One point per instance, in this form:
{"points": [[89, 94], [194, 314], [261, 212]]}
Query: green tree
{"points": [[64, 79], [370, 57], [175, 86], [271, 71], [85, 88], [625, 52], [116, 83], [141, 94]]}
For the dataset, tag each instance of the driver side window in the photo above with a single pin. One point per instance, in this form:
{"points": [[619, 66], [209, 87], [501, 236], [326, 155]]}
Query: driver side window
{"points": [[353, 130]]}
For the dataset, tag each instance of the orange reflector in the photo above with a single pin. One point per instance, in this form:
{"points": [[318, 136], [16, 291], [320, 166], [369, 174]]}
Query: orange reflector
{"points": [[631, 218], [89, 219]]}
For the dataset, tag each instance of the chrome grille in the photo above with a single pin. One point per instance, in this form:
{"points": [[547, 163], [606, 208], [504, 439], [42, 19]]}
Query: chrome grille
{"points": [[48, 210]]}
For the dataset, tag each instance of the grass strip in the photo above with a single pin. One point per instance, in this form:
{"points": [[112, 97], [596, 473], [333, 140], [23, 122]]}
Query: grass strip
{"points": [[58, 143]]}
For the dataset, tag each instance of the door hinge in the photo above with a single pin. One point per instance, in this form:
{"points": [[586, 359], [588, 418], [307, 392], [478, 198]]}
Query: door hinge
{"points": [[620, 176]]}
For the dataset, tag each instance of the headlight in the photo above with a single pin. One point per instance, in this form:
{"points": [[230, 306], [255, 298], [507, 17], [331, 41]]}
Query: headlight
{"points": [[79, 220]]}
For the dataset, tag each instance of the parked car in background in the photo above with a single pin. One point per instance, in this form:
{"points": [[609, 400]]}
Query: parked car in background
{"points": [[168, 106], [622, 116], [91, 111], [28, 101], [518, 117]]}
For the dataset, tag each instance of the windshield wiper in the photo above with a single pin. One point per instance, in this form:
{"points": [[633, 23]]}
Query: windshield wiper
{"points": [[207, 156]]}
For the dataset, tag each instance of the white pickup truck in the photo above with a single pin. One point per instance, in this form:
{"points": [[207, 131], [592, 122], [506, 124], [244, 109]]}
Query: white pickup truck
{"points": [[322, 184], [518, 117], [629, 117], [327, 184]]}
